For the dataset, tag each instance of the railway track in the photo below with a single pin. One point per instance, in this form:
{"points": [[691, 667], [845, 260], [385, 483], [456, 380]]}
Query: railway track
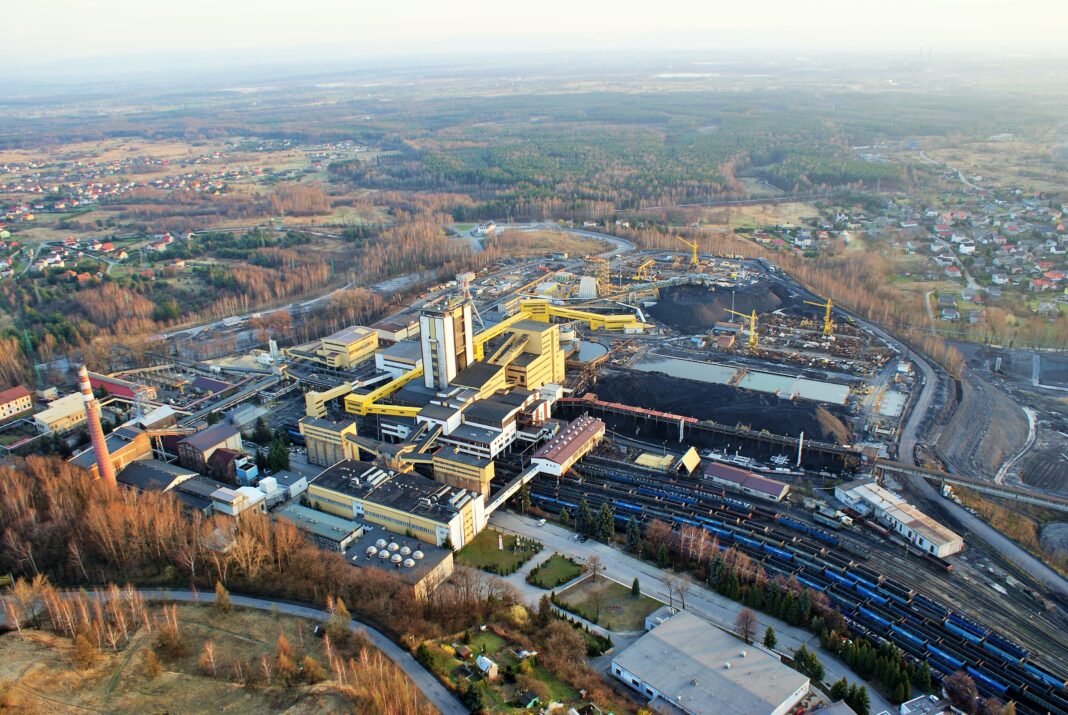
{"points": [[877, 606]]}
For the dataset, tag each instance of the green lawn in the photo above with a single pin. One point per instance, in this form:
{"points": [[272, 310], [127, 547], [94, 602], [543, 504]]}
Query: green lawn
{"points": [[554, 571], [483, 552], [608, 604]]}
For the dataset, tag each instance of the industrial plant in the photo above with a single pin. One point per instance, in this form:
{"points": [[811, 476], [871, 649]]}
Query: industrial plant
{"points": [[666, 389]]}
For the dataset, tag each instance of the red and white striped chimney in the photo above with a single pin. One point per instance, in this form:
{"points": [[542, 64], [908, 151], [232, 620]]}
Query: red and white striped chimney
{"points": [[104, 467]]}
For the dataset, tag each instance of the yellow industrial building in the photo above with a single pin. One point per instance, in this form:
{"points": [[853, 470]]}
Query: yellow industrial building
{"points": [[464, 471], [62, 415], [325, 439], [403, 503], [340, 351]]}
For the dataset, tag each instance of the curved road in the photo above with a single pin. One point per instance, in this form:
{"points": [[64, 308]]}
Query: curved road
{"points": [[906, 453], [435, 692]]}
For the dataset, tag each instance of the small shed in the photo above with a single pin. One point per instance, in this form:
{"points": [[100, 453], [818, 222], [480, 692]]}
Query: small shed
{"points": [[487, 667]]}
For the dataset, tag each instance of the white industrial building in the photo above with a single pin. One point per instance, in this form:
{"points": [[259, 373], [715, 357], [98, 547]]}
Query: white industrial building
{"points": [[867, 497], [686, 665]]}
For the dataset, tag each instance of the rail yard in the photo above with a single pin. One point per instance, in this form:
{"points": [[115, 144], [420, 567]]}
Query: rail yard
{"points": [[706, 393]]}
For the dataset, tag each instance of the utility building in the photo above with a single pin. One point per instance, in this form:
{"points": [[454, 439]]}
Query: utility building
{"points": [[686, 665], [867, 497]]}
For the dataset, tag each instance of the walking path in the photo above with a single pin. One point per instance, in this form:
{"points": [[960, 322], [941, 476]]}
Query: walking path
{"points": [[700, 601]]}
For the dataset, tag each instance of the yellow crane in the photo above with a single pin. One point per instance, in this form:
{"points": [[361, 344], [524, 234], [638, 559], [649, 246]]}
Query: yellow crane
{"points": [[828, 324], [641, 273], [752, 318], [693, 251]]}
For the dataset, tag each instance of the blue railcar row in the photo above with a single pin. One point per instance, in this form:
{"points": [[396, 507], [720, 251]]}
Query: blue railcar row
{"points": [[967, 635], [788, 557], [814, 532]]}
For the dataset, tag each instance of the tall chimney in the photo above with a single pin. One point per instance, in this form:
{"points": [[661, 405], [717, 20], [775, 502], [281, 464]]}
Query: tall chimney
{"points": [[92, 414]]}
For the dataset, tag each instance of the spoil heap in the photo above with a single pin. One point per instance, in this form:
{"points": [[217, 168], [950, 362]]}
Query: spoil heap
{"points": [[695, 309]]}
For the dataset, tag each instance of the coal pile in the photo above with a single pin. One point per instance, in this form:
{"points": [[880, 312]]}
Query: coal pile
{"points": [[695, 309], [726, 405]]}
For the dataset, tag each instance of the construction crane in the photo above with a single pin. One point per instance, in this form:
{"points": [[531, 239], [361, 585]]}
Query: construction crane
{"points": [[828, 324], [752, 318], [693, 251], [641, 273]]}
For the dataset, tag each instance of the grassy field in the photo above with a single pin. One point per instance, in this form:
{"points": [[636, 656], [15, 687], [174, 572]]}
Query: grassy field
{"points": [[609, 604], [483, 552], [554, 571], [37, 674], [500, 693]]}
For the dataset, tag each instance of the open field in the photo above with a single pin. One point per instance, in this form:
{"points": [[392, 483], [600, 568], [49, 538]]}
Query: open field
{"points": [[483, 552], [1021, 161], [760, 216], [538, 243], [609, 604], [37, 674]]}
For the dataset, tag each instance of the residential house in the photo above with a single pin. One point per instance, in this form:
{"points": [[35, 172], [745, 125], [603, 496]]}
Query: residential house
{"points": [[14, 402]]}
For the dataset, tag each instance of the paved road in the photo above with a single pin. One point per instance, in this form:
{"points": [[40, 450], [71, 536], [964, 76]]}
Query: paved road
{"points": [[910, 436], [434, 691], [700, 601]]}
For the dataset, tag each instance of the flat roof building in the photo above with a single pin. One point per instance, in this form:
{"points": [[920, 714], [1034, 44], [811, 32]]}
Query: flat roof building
{"points": [[462, 470], [867, 497], [422, 566], [325, 439], [324, 530], [686, 665], [401, 502]]}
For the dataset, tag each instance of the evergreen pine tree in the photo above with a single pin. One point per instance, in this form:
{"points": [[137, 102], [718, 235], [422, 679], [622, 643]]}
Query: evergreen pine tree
{"points": [[635, 588], [770, 641], [584, 518], [606, 523], [634, 536]]}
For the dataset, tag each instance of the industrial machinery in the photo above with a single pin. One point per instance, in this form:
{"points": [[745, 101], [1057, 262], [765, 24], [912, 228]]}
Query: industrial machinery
{"points": [[752, 318], [694, 263], [828, 324], [641, 273]]}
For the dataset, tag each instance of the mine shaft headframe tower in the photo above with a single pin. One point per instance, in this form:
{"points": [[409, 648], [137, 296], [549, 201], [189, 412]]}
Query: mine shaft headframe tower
{"points": [[828, 323]]}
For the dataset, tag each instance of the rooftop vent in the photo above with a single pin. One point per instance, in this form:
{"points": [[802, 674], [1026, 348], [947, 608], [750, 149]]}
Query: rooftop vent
{"points": [[743, 654], [383, 554], [393, 546], [396, 558], [371, 551], [405, 550], [417, 554], [381, 543], [726, 666], [409, 563]]}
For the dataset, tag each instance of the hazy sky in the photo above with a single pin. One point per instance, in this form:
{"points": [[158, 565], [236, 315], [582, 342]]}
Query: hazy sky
{"points": [[43, 30]]}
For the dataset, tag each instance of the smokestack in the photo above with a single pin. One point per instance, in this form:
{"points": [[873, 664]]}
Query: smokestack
{"points": [[92, 414]]}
